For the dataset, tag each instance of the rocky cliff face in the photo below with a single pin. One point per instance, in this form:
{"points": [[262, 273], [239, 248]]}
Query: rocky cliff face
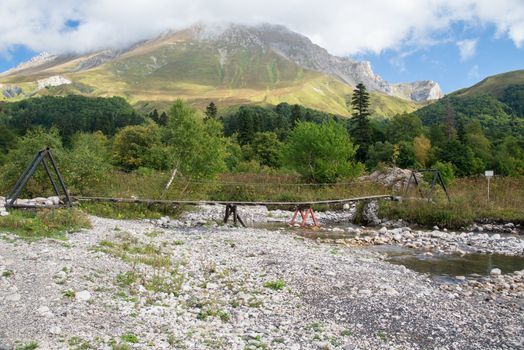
{"points": [[304, 52], [225, 41]]}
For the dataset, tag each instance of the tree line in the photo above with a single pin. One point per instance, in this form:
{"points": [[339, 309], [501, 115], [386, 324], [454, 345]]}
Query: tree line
{"points": [[94, 136]]}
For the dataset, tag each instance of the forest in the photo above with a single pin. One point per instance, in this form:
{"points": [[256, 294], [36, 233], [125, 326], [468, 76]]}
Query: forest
{"points": [[93, 137]]}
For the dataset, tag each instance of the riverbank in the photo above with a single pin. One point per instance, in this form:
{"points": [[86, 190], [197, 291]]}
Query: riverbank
{"points": [[193, 284]]}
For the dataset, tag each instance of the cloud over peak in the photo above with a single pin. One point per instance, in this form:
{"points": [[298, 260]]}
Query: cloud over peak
{"points": [[344, 27]]}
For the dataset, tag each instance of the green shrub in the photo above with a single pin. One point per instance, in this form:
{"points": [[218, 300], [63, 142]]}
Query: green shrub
{"points": [[275, 285]]}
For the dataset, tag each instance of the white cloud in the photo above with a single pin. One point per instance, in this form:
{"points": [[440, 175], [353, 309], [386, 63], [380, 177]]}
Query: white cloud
{"points": [[467, 48], [342, 26]]}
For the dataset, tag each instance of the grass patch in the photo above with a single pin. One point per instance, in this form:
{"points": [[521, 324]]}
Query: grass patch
{"points": [[7, 273], [129, 249], [78, 343], [46, 223], [129, 337], [131, 211], [29, 346], [275, 285], [69, 293]]}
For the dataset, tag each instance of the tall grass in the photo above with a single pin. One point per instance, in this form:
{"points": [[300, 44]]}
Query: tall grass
{"points": [[468, 203]]}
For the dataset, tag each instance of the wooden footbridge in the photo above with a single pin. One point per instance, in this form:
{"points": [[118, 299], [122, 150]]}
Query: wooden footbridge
{"points": [[305, 209]]}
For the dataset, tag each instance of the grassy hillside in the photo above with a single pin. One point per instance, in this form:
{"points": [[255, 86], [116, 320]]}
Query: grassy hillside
{"points": [[160, 72], [494, 85]]}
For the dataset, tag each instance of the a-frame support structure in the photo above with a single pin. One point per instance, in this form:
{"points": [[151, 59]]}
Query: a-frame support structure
{"points": [[436, 177], [40, 158], [231, 209], [305, 211]]}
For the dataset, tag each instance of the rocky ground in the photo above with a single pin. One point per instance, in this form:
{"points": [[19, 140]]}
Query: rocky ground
{"points": [[193, 284]]}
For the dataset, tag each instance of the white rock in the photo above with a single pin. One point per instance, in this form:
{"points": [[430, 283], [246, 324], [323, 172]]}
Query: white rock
{"points": [[44, 311], [495, 272], [83, 296], [13, 297], [56, 330], [383, 230]]}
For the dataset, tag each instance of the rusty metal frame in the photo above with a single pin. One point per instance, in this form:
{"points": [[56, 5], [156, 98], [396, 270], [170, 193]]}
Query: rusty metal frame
{"points": [[437, 176], [40, 158], [231, 209]]}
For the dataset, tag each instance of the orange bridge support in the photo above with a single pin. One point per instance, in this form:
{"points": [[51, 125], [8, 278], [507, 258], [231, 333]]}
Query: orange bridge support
{"points": [[305, 212]]}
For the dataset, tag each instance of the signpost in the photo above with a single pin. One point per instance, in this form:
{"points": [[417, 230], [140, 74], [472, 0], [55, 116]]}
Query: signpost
{"points": [[488, 174]]}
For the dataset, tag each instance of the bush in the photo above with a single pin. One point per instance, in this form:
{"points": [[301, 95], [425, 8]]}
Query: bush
{"points": [[87, 164], [321, 153]]}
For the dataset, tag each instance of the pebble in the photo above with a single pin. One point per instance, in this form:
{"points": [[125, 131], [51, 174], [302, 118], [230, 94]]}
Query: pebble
{"points": [[83, 296]]}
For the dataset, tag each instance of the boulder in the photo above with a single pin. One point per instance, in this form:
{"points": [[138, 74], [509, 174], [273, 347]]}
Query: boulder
{"points": [[370, 214]]}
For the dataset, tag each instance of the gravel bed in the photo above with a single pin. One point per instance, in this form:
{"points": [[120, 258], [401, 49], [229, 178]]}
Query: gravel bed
{"points": [[206, 287]]}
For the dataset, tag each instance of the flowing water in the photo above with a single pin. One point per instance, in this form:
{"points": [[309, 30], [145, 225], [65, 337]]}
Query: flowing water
{"points": [[438, 265]]}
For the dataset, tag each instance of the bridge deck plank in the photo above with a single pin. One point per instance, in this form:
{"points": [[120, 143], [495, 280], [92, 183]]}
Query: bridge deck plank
{"points": [[239, 203]]}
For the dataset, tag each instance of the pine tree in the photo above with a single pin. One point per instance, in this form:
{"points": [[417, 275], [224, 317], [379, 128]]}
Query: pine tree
{"points": [[361, 130], [163, 119], [296, 114], [154, 115], [360, 101], [211, 111]]}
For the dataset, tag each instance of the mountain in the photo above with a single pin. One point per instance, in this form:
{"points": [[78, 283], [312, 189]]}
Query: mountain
{"points": [[229, 64], [495, 85], [496, 102]]}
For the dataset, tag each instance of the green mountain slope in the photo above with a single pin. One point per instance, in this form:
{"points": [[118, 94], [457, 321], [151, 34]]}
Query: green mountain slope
{"points": [[497, 102], [157, 72], [494, 85]]}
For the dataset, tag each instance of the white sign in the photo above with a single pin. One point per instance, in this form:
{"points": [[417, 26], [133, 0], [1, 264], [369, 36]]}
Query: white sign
{"points": [[488, 173]]}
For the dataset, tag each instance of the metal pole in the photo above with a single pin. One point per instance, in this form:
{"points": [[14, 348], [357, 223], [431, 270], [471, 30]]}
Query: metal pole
{"points": [[26, 178], [489, 178], [60, 179], [50, 177]]}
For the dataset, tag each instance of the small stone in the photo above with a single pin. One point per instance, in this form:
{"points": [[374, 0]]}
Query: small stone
{"points": [[346, 206], [391, 291], [212, 285], [460, 278], [83, 296], [495, 272], [13, 297], [383, 230], [56, 330], [44, 311], [436, 228]]}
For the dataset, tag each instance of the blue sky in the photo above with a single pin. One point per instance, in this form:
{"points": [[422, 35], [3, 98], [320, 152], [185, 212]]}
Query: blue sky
{"points": [[454, 42], [443, 63]]}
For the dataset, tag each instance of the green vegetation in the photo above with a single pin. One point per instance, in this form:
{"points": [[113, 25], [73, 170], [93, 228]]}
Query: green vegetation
{"points": [[253, 152], [468, 203], [321, 153], [70, 114], [129, 337], [69, 293], [29, 346], [54, 223], [275, 285]]}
